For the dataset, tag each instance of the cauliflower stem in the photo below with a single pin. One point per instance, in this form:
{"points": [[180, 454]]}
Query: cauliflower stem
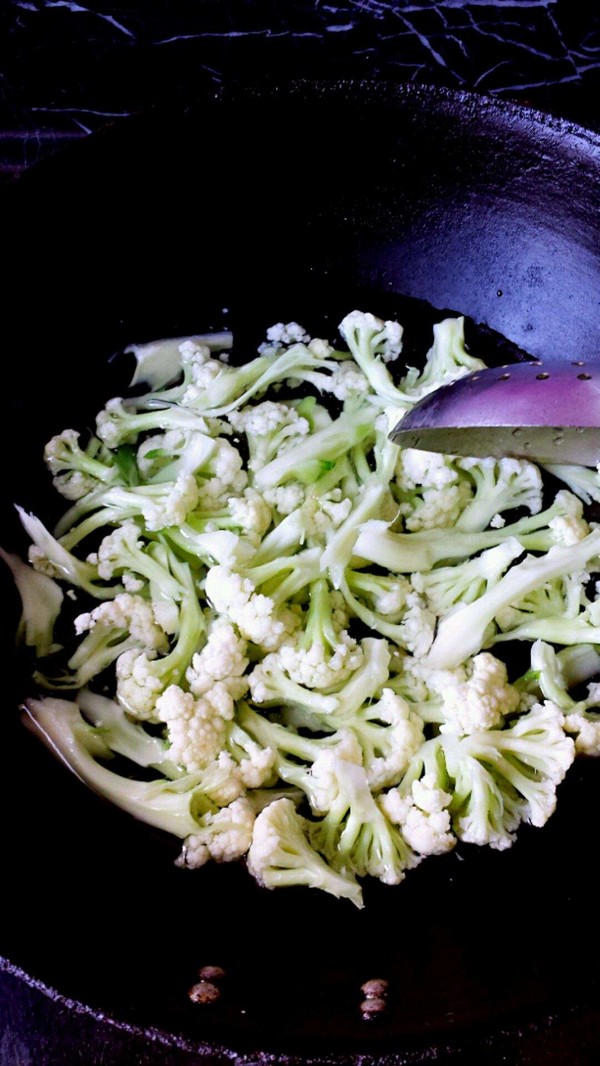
{"points": [[280, 636]]}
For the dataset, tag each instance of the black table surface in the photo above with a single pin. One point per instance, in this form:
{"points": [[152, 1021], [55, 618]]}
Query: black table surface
{"points": [[70, 68]]}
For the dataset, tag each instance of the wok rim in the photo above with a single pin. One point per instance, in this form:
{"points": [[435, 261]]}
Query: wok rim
{"points": [[374, 91]]}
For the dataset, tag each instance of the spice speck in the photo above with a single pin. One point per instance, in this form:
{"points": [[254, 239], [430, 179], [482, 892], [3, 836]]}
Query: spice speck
{"points": [[375, 988], [204, 992], [211, 973]]}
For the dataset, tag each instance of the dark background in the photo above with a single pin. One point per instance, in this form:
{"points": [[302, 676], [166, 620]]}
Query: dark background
{"points": [[68, 69]]}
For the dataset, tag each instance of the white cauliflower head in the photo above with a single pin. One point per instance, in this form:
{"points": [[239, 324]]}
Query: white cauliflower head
{"points": [[197, 726], [224, 836], [422, 815], [475, 696]]}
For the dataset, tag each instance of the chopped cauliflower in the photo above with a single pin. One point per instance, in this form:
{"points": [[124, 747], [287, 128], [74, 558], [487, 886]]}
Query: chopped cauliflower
{"points": [[203, 370], [224, 836], [433, 493], [422, 815], [74, 484], [250, 511], [417, 626], [287, 333], [426, 470], [474, 696], [130, 613], [313, 667], [222, 657], [587, 730], [270, 428], [292, 611], [570, 527], [347, 380], [197, 726], [137, 686], [285, 498], [254, 614], [436, 508], [390, 734], [173, 507], [259, 420], [323, 514]]}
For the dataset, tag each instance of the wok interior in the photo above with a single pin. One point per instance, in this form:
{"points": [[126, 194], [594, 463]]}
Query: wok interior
{"points": [[397, 200]]}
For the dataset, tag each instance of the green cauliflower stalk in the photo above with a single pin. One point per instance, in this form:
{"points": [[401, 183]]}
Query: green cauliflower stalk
{"points": [[282, 619]]}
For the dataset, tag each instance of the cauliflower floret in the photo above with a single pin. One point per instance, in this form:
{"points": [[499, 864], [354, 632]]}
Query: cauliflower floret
{"points": [[173, 508], [347, 380], [270, 428], [571, 527], [568, 529], [391, 600], [132, 583], [317, 666], [224, 836], [259, 622], [197, 727], [40, 562], [137, 686], [428, 470], [287, 333], [320, 347], [116, 547], [389, 748], [258, 420], [193, 353], [389, 345], [228, 472], [127, 612], [285, 498], [177, 451], [325, 513], [325, 771], [587, 730], [339, 610], [222, 657], [74, 484], [227, 590], [250, 511], [418, 626], [254, 614], [584, 724], [436, 508], [437, 493], [203, 370], [225, 780], [474, 698], [422, 816], [108, 422], [280, 854]]}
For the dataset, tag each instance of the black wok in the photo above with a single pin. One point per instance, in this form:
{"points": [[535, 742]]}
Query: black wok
{"points": [[302, 202]]}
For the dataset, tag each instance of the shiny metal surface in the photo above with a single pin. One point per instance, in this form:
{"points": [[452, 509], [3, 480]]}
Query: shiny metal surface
{"points": [[544, 411]]}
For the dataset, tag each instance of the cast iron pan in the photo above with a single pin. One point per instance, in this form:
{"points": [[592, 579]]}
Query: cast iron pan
{"points": [[301, 201]]}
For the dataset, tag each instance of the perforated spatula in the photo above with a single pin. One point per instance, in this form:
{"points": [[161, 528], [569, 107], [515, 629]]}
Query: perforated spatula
{"points": [[548, 412]]}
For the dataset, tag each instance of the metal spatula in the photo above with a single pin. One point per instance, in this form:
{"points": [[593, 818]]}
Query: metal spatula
{"points": [[547, 412]]}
